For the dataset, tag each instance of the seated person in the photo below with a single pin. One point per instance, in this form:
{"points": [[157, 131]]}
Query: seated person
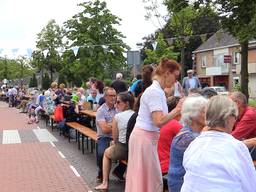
{"points": [[245, 126], [117, 151], [193, 120], [167, 133], [93, 97], [216, 161]]}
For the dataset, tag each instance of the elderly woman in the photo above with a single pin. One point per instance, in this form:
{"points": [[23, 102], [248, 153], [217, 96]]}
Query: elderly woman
{"points": [[216, 161], [193, 120]]}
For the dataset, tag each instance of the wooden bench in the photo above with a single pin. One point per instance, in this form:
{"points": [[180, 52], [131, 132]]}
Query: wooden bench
{"points": [[84, 131]]}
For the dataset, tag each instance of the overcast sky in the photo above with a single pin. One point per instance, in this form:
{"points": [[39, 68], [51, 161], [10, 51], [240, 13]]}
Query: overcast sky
{"points": [[21, 20]]}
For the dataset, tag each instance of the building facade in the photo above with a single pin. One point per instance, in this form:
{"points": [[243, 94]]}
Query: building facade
{"points": [[218, 62]]}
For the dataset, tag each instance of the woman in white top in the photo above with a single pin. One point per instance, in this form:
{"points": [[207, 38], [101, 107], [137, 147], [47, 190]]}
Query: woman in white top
{"points": [[215, 160], [144, 172], [117, 151]]}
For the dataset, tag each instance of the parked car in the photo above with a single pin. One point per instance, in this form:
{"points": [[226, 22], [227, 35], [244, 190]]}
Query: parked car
{"points": [[221, 90]]}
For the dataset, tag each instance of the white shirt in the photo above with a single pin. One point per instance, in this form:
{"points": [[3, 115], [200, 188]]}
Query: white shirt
{"points": [[217, 162], [153, 99], [177, 88], [122, 119]]}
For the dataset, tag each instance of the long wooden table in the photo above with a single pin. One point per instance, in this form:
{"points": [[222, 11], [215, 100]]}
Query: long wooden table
{"points": [[88, 112]]}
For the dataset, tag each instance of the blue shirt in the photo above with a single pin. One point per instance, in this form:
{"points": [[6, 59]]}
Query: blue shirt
{"points": [[134, 85], [93, 99], [176, 170]]}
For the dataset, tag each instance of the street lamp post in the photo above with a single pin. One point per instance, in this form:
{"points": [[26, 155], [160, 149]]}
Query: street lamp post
{"points": [[45, 52]]}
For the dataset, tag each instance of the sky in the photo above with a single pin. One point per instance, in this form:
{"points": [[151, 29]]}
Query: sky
{"points": [[22, 20]]}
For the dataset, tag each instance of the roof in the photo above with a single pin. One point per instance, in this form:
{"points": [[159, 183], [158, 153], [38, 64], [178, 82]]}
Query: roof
{"points": [[218, 40]]}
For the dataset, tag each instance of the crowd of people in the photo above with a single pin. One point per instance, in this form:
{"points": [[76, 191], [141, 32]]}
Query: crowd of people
{"points": [[199, 140]]}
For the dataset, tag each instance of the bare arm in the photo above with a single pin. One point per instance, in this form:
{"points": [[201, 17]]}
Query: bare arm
{"points": [[115, 132], [105, 127], [160, 119], [250, 142]]}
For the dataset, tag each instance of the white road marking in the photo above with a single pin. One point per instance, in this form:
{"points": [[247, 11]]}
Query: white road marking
{"points": [[43, 135], [61, 154], [52, 144], [74, 170], [11, 137]]}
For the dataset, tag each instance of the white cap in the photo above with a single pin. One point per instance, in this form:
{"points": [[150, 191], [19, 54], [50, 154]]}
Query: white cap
{"points": [[119, 76]]}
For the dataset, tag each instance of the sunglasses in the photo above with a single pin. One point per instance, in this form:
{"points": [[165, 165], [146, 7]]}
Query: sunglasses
{"points": [[111, 95]]}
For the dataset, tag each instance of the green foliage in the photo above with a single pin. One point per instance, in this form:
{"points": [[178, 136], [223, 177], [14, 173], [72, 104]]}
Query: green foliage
{"points": [[33, 81], [162, 50], [12, 69], [50, 38], [101, 46], [252, 102], [107, 82], [46, 81], [62, 79], [181, 24], [237, 87]]}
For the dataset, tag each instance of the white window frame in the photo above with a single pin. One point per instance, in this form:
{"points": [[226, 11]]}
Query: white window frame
{"points": [[236, 58], [203, 61]]}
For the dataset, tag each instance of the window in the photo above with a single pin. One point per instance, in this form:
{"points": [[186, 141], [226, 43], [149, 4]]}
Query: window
{"points": [[203, 61], [219, 62], [236, 58]]}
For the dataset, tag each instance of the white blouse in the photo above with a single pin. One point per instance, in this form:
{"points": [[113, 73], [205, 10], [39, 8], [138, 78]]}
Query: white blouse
{"points": [[153, 99], [216, 161]]}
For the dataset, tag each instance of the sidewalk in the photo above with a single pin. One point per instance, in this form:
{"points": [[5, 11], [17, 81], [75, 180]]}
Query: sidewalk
{"points": [[30, 161]]}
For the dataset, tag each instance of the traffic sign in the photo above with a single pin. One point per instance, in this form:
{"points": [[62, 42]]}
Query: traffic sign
{"points": [[227, 58]]}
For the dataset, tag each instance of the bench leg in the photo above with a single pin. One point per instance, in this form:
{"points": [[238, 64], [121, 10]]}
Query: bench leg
{"points": [[51, 123], [87, 142], [68, 134], [91, 145], [83, 143], [46, 120], [78, 141]]}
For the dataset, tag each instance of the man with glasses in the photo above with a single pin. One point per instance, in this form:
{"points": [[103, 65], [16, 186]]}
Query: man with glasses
{"points": [[104, 117]]}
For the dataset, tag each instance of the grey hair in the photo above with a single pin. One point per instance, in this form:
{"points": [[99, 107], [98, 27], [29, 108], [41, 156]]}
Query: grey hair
{"points": [[220, 107], [237, 95], [191, 108]]}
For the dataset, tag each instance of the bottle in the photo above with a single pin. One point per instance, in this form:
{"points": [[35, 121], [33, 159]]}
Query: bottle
{"points": [[94, 106]]}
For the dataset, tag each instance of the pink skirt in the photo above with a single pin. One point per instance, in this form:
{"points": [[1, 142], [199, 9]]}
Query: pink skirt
{"points": [[144, 171]]}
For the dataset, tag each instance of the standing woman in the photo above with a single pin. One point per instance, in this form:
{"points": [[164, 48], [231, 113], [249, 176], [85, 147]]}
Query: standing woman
{"points": [[144, 172]]}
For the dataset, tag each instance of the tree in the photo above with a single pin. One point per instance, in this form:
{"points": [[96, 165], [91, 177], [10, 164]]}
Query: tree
{"points": [[239, 18], [100, 44], [186, 27], [181, 23], [50, 38], [46, 81], [33, 81], [13, 69], [162, 50]]}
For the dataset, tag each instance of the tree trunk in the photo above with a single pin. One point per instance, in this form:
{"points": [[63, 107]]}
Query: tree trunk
{"points": [[244, 68], [51, 73], [182, 62]]}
